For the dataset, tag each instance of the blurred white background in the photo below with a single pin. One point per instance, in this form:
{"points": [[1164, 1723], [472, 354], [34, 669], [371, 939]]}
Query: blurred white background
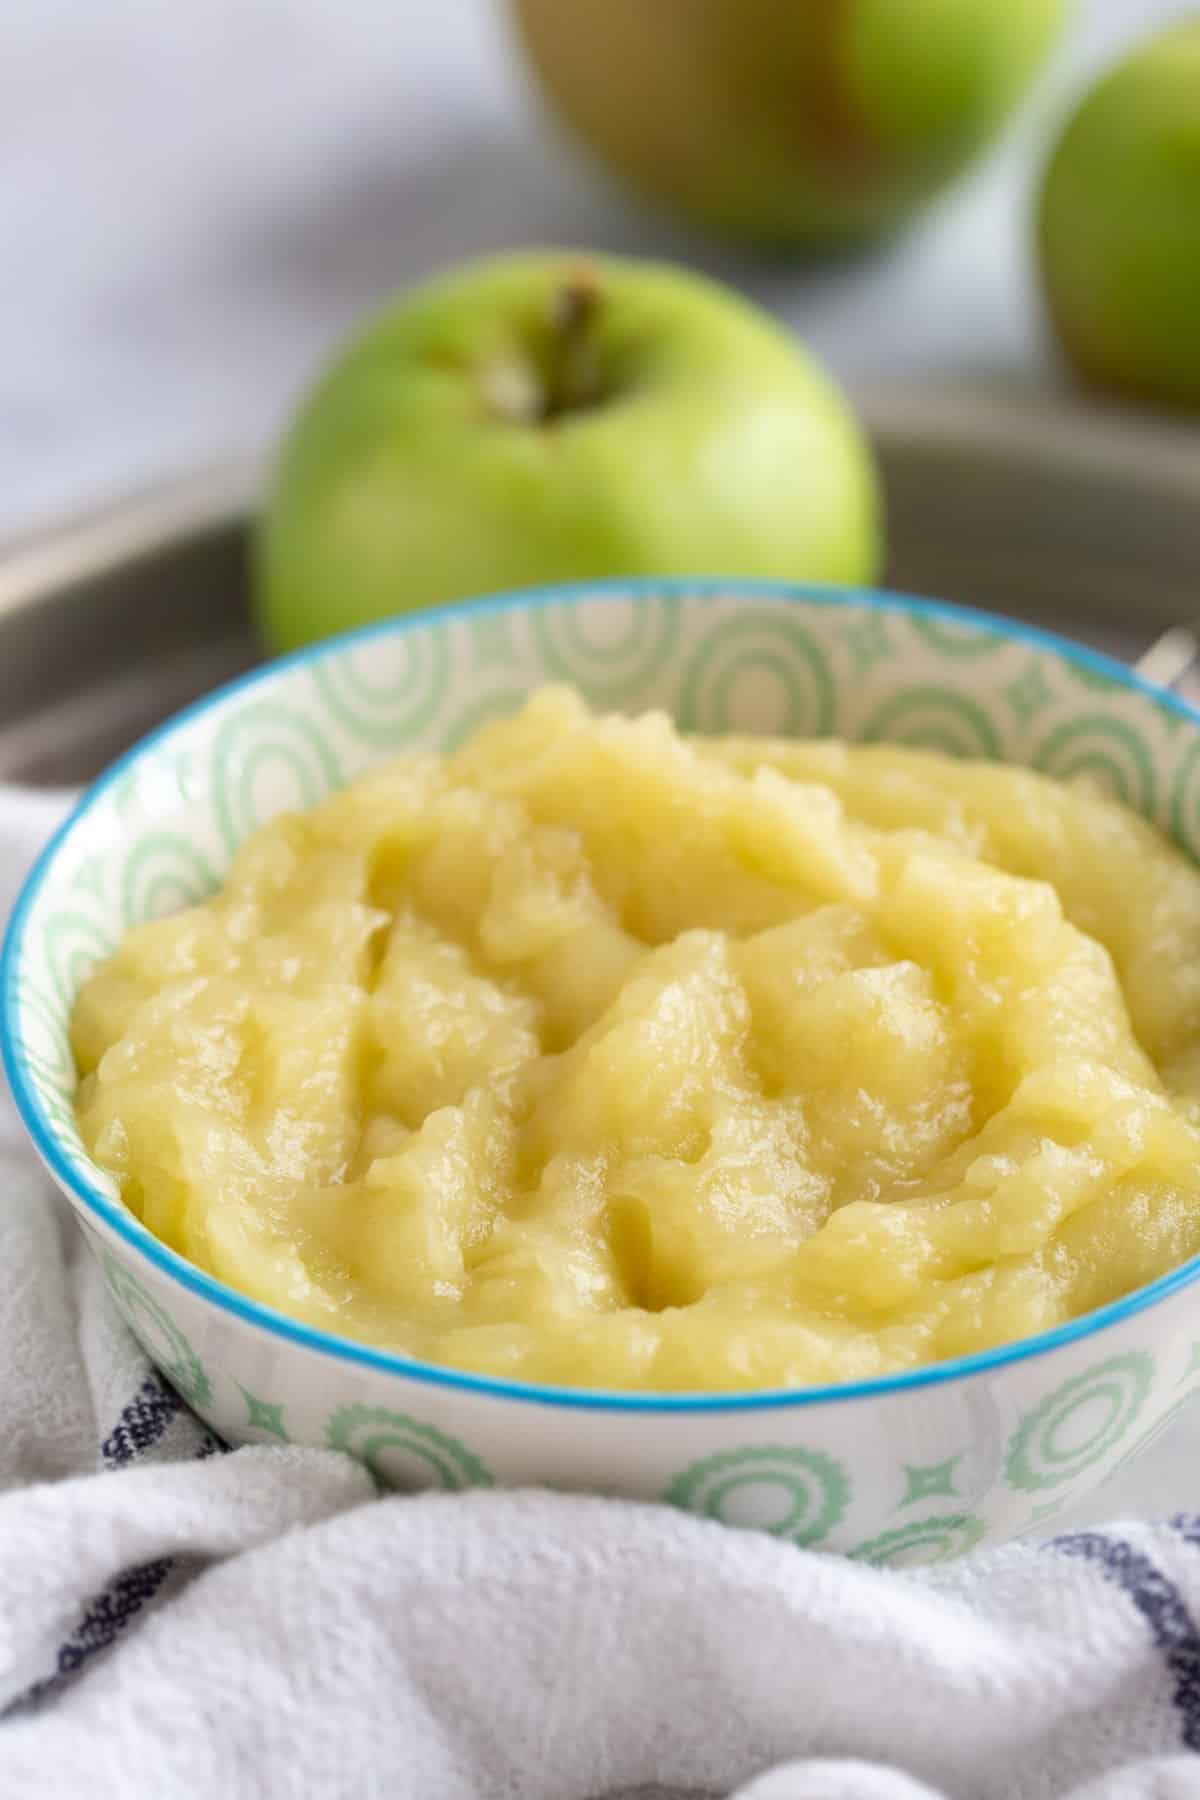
{"points": [[197, 199]]}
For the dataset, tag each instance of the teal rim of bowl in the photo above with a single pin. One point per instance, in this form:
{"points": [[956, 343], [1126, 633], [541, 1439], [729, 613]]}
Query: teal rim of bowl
{"points": [[168, 1262]]}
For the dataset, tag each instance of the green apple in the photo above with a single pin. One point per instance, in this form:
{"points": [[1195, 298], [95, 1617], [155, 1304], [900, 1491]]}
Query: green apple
{"points": [[551, 416], [1119, 225], [793, 122]]}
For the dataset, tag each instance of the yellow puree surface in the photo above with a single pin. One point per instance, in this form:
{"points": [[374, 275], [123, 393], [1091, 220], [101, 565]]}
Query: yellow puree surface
{"points": [[594, 1054]]}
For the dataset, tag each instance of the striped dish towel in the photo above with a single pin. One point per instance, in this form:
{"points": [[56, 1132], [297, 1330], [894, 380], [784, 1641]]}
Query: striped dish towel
{"points": [[176, 1620]]}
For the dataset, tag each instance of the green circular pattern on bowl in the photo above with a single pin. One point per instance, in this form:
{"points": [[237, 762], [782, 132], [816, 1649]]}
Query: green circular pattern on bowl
{"points": [[401, 1452], [795, 1493], [615, 654], [1079, 1422], [923, 1541], [717, 663], [376, 705], [157, 1333], [844, 1469], [162, 874]]}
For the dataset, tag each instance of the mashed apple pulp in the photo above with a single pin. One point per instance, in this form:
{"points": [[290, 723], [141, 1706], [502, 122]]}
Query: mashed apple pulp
{"points": [[595, 1054]]}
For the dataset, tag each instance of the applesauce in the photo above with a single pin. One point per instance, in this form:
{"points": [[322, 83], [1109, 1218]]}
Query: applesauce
{"points": [[591, 1053]]}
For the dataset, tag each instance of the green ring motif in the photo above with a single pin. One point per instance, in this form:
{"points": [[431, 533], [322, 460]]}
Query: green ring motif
{"points": [[90, 876], [816, 1485], [1031, 1457], [70, 962], [31, 999], [62, 1116], [1096, 744], [962, 641], [1097, 680], [499, 705], [934, 718], [51, 1059], [166, 889], [1184, 822], [754, 638], [59, 1080], [616, 671], [145, 1317], [366, 1432], [98, 1177], [388, 714], [267, 733], [124, 792], [1167, 715], [947, 1535]]}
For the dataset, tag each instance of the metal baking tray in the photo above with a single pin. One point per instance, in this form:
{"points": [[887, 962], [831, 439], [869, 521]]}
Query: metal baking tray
{"points": [[1085, 522]]}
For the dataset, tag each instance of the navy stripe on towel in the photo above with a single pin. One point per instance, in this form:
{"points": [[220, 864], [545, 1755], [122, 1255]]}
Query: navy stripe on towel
{"points": [[139, 1427], [142, 1423], [106, 1618], [1161, 1605], [1188, 1527]]}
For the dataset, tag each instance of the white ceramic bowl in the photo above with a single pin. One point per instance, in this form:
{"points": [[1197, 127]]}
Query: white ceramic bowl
{"points": [[907, 1468]]}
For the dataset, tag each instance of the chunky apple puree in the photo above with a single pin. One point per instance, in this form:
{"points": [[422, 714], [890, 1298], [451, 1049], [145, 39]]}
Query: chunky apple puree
{"points": [[594, 1054]]}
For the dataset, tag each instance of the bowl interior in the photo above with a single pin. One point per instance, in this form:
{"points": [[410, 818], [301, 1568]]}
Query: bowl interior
{"points": [[158, 831]]}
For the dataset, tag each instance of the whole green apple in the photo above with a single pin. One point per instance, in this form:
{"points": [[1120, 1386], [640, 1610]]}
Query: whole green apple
{"points": [[551, 416], [793, 122], [1119, 225]]}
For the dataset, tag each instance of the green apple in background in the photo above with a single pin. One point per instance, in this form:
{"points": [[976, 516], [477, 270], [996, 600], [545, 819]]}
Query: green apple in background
{"points": [[551, 416], [793, 122], [1119, 225]]}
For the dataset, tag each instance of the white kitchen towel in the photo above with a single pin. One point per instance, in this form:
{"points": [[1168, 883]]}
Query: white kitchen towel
{"points": [[176, 1620]]}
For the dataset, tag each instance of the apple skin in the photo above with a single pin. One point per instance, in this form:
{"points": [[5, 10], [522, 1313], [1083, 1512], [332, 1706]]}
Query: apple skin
{"points": [[787, 122], [1119, 225], [554, 416]]}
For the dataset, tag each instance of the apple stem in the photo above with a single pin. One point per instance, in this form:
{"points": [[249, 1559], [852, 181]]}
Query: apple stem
{"points": [[572, 379], [560, 374], [573, 304]]}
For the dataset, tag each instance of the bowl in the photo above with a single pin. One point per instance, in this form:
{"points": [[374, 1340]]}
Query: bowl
{"points": [[907, 1468]]}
